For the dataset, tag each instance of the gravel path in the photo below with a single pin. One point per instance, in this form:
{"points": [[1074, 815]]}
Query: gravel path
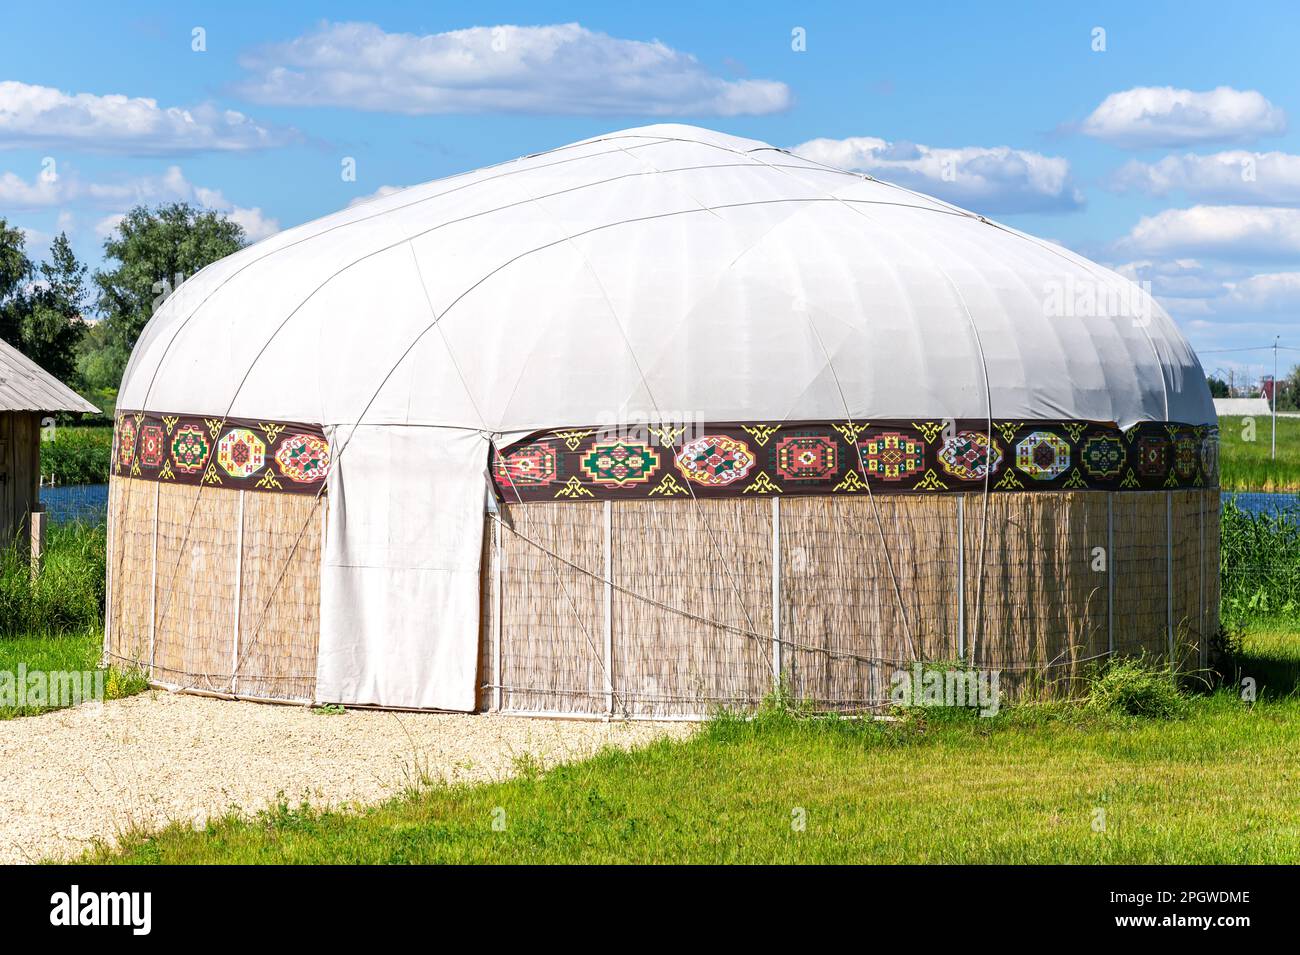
{"points": [[97, 770]]}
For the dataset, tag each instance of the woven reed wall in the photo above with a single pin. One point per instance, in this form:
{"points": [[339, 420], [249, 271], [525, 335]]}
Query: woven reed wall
{"points": [[131, 509], [215, 590], [862, 582], [712, 560], [865, 586]]}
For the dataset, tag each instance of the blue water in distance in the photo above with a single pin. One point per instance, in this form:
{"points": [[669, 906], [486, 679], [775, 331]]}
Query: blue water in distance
{"points": [[1266, 502], [75, 502]]}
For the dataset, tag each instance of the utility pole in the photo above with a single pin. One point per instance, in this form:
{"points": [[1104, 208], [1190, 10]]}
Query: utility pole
{"points": [[1276, 339]]}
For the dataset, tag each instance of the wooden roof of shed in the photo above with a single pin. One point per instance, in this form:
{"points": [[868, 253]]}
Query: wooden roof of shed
{"points": [[26, 386]]}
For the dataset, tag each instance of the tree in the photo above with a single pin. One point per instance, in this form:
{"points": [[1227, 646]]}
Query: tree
{"points": [[1289, 391], [40, 308], [1218, 387], [15, 273], [53, 325], [148, 251]]}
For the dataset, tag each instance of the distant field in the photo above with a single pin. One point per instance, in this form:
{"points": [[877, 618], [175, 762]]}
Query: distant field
{"points": [[1246, 465]]}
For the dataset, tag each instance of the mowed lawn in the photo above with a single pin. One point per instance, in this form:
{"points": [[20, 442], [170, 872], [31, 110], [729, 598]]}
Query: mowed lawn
{"points": [[1247, 465], [1044, 783]]}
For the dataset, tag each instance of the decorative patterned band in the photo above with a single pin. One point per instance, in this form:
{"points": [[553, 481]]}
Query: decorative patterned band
{"points": [[233, 453], [723, 460]]}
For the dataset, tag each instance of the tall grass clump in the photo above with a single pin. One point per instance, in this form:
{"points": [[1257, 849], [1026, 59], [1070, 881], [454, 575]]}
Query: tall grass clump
{"points": [[1260, 566], [68, 595], [76, 455], [1133, 686]]}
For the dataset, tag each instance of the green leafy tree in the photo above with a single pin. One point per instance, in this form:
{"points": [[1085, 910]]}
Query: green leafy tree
{"points": [[100, 361], [53, 323], [41, 307], [15, 273], [148, 253], [1288, 395], [1218, 387]]}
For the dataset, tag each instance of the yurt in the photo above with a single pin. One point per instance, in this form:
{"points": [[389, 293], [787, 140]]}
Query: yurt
{"points": [[649, 425]]}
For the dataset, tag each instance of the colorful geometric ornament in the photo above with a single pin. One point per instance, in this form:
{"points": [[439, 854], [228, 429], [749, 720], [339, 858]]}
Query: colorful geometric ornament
{"points": [[715, 460], [1103, 456], [619, 463], [969, 456], [892, 456], [1186, 455], [190, 448], [303, 458], [1153, 457], [153, 446], [241, 453], [533, 465], [805, 458], [126, 433], [1043, 455]]}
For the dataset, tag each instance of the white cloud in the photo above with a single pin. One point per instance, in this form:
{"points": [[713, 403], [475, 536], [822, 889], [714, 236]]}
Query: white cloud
{"points": [[1183, 279], [1229, 232], [995, 179], [377, 194], [1267, 292], [170, 186], [255, 223], [1234, 176], [18, 193], [41, 116], [1190, 288], [1164, 116], [108, 225], [564, 68]]}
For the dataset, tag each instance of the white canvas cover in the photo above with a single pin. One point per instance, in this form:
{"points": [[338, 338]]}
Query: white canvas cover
{"points": [[667, 271], [400, 569]]}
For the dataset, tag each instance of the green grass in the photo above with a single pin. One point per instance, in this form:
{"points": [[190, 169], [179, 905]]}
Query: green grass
{"points": [[1270, 655], [1032, 785], [68, 597], [1247, 465], [55, 623], [1260, 567], [68, 653], [76, 454]]}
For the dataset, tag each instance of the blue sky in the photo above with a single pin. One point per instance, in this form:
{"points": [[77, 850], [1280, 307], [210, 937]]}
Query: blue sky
{"points": [[1172, 154]]}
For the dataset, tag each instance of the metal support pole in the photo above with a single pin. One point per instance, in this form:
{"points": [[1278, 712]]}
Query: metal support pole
{"points": [[1200, 563], [1110, 573], [1275, 341], [961, 576], [1169, 571], [239, 582], [609, 608], [153, 580], [776, 592], [496, 615]]}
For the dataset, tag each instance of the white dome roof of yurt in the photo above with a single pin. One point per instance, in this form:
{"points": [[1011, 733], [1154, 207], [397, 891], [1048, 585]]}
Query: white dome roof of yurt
{"points": [[664, 269]]}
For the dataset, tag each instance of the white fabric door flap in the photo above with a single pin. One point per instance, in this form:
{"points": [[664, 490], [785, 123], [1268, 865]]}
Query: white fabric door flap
{"points": [[400, 567]]}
